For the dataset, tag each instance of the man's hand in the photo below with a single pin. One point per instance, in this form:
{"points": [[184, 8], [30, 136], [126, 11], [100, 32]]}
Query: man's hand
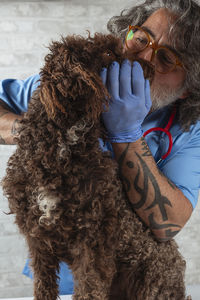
{"points": [[8, 124], [130, 101]]}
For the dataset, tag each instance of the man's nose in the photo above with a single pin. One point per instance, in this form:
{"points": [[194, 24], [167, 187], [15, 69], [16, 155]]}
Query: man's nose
{"points": [[146, 54]]}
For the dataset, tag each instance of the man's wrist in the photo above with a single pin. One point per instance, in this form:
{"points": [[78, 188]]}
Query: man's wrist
{"points": [[137, 146], [126, 137]]}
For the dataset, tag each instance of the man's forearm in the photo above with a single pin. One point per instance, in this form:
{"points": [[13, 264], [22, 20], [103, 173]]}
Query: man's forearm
{"points": [[8, 125], [158, 202]]}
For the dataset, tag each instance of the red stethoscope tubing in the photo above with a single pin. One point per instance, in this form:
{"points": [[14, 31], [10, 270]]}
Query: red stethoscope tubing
{"points": [[166, 130]]}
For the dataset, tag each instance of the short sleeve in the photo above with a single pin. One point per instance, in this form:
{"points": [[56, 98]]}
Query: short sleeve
{"points": [[183, 169], [17, 93]]}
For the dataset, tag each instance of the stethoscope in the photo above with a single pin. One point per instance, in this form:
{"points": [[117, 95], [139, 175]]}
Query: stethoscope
{"points": [[166, 130]]}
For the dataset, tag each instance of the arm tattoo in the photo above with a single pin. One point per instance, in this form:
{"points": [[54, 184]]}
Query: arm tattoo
{"points": [[129, 164], [15, 127], [169, 235], [154, 225], [145, 148], [159, 200], [142, 191]]}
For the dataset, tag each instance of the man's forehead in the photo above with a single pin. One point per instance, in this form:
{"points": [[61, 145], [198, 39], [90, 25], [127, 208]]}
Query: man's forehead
{"points": [[158, 24]]}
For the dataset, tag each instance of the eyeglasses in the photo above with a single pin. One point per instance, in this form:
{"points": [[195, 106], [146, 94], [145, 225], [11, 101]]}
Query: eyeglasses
{"points": [[165, 60]]}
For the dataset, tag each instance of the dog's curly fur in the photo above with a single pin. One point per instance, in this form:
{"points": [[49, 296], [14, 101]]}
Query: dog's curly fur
{"points": [[66, 194]]}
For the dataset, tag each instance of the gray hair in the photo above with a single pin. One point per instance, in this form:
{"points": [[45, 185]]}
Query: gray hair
{"points": [[184, 35]]}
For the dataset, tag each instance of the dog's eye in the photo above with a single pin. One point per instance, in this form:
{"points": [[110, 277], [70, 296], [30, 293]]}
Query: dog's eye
{"points": [[108, 57], [109, 53]]}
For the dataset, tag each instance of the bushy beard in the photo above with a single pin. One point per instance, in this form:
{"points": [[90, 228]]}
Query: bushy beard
{"points": [[164, 95]]}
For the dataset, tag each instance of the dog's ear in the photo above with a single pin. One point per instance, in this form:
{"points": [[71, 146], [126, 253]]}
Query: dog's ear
{"points": [[66, 79], [48, 97]]}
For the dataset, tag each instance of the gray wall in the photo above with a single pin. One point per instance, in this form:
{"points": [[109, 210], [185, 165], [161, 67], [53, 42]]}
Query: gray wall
{"points": [[26, 28]]}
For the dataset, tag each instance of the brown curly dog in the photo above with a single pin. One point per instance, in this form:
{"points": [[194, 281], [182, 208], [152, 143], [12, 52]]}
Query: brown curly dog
{"points": [[66, 192]]}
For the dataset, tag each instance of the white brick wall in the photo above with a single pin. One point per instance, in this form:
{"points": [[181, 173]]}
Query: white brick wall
{"points": [[12, 246], [26, 27]]}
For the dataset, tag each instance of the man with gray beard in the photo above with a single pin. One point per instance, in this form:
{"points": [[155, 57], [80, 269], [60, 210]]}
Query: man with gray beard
{"points": [[154, 132], [157, 148]]}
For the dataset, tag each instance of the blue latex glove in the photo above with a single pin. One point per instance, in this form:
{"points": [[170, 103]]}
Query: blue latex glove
{"points": [[130, 101]]}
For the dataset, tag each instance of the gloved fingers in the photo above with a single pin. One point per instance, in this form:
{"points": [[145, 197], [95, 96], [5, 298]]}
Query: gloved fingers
{"points": [[148, 101], [138, 81], [103, 75], [125, 87], [113, 80]]}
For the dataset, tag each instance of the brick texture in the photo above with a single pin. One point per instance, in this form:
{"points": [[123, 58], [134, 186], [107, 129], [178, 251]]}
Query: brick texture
{"points": [[27, 27]]}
